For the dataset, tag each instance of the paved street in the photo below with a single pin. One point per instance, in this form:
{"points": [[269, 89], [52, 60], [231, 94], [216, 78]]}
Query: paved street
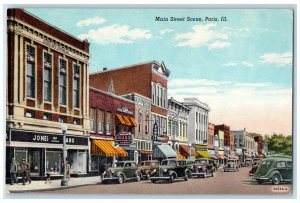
{"points": [[223, 183]]}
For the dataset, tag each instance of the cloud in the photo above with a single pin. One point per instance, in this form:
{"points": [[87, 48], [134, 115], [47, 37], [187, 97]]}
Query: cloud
{"points": [[279, 59], [196, 82], [202, 35], [116, 34], [165, 31], [218, 45], [238, 64], [90, 21]]}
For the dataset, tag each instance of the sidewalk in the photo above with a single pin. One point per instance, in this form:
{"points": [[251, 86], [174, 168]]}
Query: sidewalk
{"points": [[55, 184]]}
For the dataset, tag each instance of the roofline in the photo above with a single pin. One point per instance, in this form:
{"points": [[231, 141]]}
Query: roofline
{"points": [[52, 25], [179, 103], [123, 67], [137, 94], [113, 95]]}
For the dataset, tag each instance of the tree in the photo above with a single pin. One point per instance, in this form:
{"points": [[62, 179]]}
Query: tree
{"points": [[280, 143]]}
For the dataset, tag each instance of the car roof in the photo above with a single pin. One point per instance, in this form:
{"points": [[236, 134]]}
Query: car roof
{"points": [[278, 158]]}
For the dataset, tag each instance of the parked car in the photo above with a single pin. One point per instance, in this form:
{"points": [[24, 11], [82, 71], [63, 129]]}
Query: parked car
{"points": [[170, 170], [146, 168], [231, 165], [203, 167], [121, 172], [274, 169], [254, 167], [248, 162]]}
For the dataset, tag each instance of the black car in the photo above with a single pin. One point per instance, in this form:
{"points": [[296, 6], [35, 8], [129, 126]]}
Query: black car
{"points": [[121, 171], [170, 170], [231, 165], [203, 168]]}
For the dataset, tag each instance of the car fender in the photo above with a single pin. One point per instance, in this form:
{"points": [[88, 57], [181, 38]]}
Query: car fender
{"points": [[272, 173], [120, 173], [173, 173]]}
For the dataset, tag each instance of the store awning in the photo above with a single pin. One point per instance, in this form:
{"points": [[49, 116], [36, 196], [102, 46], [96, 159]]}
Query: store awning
{"points": [[127, 121], [120, 118], [204, 154], [133, 121], [106, 148], [185, 149], [164, 151], [180, 156], [146, 152]]}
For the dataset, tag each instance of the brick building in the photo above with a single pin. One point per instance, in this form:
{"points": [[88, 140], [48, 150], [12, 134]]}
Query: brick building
{"points": [[211, 139], [226, 130], [149, 79], [112, 128], [47, 85]]}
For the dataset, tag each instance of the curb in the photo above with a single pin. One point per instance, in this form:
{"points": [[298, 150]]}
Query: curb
{"points": [[50, 189]]}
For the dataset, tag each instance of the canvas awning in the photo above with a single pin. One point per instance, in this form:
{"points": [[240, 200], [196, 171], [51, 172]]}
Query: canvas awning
{"points": [[164, 151], [204, 154], [180, 156], [106, 148], [185, 149]]}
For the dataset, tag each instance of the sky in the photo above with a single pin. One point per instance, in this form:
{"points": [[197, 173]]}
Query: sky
{"points": [[242, 67]]}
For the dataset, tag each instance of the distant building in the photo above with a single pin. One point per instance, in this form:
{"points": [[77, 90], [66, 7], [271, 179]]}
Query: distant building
{"points": [[226, 130], [244, 143]]}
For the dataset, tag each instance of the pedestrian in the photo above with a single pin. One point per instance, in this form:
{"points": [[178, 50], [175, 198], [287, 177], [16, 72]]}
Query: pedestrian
{"points": [[48, 178], [25, 171], [13, 172], [68, 170]]}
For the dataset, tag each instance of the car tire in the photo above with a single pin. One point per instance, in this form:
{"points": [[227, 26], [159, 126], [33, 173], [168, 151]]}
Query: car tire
{"points": [[259, 182], [153, 181], [171, 180], [120, 179], [276, 179], [138, 177], [189, 175], [186, 178]]}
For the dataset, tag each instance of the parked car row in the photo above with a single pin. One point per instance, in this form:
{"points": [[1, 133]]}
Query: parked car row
{"points": [[169, 170]]}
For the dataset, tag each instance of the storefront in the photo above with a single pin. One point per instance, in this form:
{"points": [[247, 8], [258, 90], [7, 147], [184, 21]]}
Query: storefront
{"points": [[44, 152], [163, 151], [202, 151]]}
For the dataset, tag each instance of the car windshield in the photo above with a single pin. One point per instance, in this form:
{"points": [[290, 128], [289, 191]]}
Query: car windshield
{"points": [[266, 163], [200, 162], [119, 164], [169, 163]]}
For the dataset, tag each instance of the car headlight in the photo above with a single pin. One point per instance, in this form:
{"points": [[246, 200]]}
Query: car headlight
{"points": [[154, 170], [165, 170], [199, 166]]}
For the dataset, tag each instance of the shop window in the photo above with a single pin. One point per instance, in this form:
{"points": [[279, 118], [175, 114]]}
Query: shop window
{"points": [[20, 154], [140, 122], [54, 162], [62, 119], [76, 121], [77, 161], [92, 120], [100, 121], [47, 116]]}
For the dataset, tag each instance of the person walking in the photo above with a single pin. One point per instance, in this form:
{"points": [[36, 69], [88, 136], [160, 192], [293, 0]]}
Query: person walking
{"points": [[25, 172], [68, 170], [13, 172]]}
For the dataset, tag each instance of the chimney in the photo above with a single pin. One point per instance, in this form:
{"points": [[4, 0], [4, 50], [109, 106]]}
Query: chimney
{"points": [[104, 68]]}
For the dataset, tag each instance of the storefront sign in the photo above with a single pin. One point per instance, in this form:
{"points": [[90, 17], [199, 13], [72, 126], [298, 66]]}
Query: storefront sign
{"points": [[124, 110], [24, 136], [123, 138]]}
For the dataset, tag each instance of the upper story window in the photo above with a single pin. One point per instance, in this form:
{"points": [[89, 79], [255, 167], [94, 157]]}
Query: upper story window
{"points": [[76, 85], [62, 82], [100, 121], [147, 124], [92, 120], [108, 123], [30, 71], [140, 122], [47, 77], [62, 119]]}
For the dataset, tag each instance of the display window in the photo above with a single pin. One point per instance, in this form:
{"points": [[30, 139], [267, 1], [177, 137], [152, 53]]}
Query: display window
{"points": [[54, 162]]}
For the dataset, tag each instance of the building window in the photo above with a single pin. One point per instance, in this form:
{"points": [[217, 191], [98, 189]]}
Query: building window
{"points": [[62, 82], [30, 72], [147, 124], [47, 84], [100, 121], [153, 93], [29, 114], [108, 123], [157, 95], [62, 119], [92, 120], [140, 122], [76, 121], [76, 82], [47, 116]]}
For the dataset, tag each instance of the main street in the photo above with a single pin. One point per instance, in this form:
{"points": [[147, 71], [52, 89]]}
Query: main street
{"points": [[224, 183]]}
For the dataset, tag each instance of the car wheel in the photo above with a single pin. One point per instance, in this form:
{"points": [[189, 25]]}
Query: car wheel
{"points": [[189, 174], [171, 180], [138, 177], [120, 179], [153, 181], [276, 179], [186, 178]]}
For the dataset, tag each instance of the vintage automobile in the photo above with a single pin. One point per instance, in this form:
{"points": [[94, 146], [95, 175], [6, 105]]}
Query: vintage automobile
{"points": [[231, 165], [170, 170], [146, 168], [248, 162], [274, 169], [121, 171], [202, 168]]}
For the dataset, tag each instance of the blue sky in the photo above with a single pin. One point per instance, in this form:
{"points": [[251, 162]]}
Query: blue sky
{"points": [[242, 67]]}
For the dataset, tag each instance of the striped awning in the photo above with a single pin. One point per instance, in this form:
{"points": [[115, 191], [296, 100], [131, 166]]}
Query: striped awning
{"points": [[120, 118], [180, 156], [127, 121], [204, 154], [185, 149], [106, 148], [164, 151], [133, 121]]}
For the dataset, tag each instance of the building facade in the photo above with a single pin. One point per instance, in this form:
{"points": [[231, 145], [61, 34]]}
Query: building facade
{"points": [[149, 79], [259, 140], [211, 139], [226, 130], [47, 86], [244, 143], [143, 131], [112, 129]]}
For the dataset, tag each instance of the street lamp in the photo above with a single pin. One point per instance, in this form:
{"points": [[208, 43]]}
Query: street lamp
{"points": [[64, 129], [190, 147]]}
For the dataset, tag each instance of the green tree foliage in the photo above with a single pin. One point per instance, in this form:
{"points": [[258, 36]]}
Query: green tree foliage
{"points": [[279, 144]]}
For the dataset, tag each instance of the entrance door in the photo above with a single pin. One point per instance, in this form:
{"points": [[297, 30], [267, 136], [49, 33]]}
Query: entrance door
{"points": [[34, 161]]}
